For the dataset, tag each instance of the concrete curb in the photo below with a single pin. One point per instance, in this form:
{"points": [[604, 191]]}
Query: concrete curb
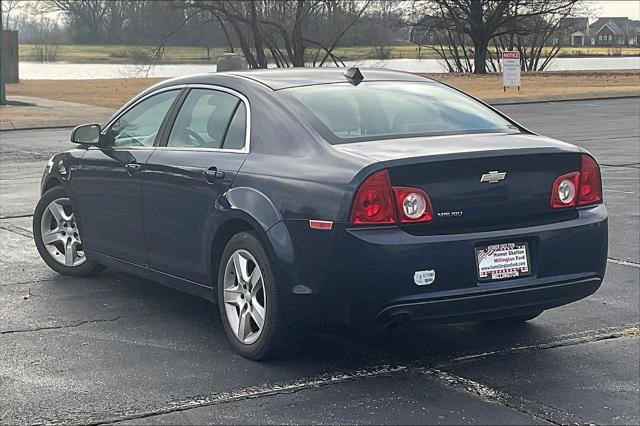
{"points": [[54, 126], [496, 101]]}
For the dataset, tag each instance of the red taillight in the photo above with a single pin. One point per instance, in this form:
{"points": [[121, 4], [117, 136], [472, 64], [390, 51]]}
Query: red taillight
{"points": [[378, 203], [578, 188], [413, 205], [590, 190], [374, 201]]}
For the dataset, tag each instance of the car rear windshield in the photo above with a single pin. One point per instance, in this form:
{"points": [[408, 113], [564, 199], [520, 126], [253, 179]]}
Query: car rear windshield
{"points": [[344, 113]]}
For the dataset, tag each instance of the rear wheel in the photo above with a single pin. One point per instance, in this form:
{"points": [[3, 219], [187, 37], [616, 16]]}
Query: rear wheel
{"points": [[249, 302], [57, 236]]}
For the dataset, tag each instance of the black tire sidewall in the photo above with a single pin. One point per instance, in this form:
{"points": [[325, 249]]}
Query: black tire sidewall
{"points": [[87, 268], [266, 345]]}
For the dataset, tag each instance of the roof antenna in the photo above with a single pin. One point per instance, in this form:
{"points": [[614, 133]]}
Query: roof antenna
{"points": [[354, 76]]}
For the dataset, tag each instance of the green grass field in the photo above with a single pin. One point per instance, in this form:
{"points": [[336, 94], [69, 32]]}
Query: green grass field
{"points": [[179, 54]]}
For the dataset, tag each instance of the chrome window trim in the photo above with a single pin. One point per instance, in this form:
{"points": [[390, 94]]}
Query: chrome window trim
{"points": [[127, 108], [245, 101]]}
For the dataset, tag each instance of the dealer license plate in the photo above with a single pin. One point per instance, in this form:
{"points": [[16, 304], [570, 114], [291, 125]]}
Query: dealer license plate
{"points": [[502, 261]]}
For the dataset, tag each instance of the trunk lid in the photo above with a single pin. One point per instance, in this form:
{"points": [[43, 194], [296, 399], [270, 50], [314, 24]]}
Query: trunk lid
{"points": [[478, 182]]}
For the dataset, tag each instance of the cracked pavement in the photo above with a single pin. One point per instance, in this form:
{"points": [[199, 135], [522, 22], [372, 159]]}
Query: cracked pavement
{"points": [[119, 349]]}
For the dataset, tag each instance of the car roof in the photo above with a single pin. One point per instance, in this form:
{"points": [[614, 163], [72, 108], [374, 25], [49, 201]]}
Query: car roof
{"points": [[278, 78]]}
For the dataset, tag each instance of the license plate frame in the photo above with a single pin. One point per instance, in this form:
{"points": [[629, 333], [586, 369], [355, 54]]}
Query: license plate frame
{"points": [[508, 269]]}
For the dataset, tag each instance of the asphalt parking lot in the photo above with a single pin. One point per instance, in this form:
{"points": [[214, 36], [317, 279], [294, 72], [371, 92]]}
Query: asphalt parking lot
{"points": [[116, 348]]}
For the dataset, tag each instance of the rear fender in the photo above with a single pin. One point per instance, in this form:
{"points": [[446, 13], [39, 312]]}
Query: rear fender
{"points": [[255, 208], [255, 204]]}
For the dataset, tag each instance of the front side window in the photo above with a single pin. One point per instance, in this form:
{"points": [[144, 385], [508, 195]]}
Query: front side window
{"points": [[344, 113], [210, 119], [140, 125]]}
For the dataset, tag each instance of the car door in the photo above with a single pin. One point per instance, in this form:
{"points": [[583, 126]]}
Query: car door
{"points": [[201, 155], [107, 188]]}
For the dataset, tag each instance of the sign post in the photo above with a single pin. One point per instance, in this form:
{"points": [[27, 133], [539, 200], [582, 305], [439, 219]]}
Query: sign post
{"points": [[510, 69], [3, 95]]}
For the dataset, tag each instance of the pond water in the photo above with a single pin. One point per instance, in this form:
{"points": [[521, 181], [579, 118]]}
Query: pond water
{"points": [[71, 71]]}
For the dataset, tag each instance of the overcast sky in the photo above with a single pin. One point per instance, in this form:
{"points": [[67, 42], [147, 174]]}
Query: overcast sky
{"points": [[630, 8]]}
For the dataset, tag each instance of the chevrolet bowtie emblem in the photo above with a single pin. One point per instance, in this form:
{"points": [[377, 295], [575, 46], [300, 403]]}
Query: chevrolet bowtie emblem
{"points": [[493, 176]]}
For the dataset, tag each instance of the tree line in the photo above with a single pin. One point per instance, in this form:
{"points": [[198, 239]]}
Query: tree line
{"points": [[465, 34]]}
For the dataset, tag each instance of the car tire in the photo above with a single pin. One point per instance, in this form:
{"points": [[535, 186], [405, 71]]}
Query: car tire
{"points": [[250, 307], [517, 319], [55, 219]]}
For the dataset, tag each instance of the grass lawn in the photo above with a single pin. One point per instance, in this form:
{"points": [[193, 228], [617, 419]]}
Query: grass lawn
{"points": [[178, 54], [113, 93]]}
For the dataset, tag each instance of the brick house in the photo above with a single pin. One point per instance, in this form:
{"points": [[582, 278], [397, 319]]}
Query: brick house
{"points": [[620, 31]]}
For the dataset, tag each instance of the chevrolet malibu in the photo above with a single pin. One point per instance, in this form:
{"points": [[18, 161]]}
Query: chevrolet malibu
{"points": [[321, 198]]}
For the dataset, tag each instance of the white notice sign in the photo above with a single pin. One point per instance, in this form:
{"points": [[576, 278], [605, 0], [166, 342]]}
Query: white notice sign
{"points": [[511, 69]]}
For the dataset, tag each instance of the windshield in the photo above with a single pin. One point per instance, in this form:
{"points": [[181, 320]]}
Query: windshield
{"points": [[344, 113]]}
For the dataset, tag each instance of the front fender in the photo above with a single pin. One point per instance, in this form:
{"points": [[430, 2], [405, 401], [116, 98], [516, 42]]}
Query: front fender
{"points": [[60, 168]]}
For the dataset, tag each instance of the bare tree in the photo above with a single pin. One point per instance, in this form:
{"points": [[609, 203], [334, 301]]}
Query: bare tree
{"points": [[483, 20], [86, 15], [540, 38], [8, 7], [46, 44], [279, 29]]}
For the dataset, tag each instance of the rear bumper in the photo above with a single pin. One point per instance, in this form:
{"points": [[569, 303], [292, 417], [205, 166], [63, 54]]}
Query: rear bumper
{"points": [[491, 304], [356, 276]]}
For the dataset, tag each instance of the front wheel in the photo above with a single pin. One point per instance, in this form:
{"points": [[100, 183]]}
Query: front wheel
{"points": [[249, 302], [57, 236]]}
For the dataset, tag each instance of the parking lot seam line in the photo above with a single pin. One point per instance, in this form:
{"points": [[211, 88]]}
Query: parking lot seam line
{"points": [[37, 281], [20, 179], [224, 397], [619, 192], [623, 262], [18, 216], [602, 138], [17, 230], [57, 327], [590, 336], [505, 399], [622, 166]]}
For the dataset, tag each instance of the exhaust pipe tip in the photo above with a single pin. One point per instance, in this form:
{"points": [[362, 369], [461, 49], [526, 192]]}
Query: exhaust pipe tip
{"points": [[396, 321]]}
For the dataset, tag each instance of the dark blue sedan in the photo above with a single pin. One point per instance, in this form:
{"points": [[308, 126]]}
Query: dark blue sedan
{"points": [[318, 198]]}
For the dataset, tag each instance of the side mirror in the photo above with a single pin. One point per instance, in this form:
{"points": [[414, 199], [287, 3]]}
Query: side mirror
{"points": [[87, 134]]}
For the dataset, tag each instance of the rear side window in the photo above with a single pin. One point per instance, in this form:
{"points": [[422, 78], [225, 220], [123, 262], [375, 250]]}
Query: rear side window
{"points": [[345, 113], [235, 138], [209, 119]]}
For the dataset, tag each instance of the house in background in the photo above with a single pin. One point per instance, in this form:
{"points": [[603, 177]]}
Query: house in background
{"points": [[605, 31], [615, 31], [576, 31]]}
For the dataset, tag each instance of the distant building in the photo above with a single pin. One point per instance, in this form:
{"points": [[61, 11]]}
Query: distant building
{"points": [[614, 31], [605, 31], [577, 31]]}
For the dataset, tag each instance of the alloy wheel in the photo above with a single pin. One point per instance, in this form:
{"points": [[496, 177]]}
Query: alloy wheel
{"points": [[60, 233], [244, 296]]}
